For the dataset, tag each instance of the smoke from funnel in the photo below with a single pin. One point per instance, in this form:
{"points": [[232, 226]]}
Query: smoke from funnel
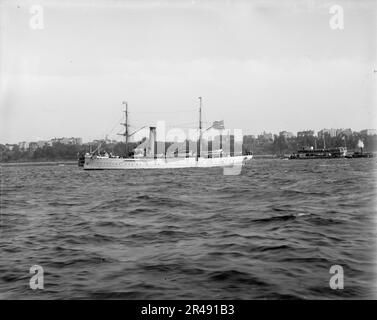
{"points": [[360, 144]]}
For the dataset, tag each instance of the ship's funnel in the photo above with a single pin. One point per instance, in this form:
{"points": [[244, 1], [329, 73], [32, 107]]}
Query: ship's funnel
{"points": [[360, 144], [152, 150]]}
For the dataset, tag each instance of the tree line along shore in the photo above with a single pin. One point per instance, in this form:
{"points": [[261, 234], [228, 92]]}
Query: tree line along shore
{"points": [[277, 146]]}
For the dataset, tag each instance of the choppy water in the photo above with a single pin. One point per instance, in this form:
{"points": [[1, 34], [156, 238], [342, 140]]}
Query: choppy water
{"points": [[272, 232]]}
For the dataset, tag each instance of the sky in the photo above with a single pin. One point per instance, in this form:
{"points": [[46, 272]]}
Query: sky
{"points": [[259, 66]]}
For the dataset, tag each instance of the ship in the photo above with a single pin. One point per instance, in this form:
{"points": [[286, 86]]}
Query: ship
{"points": [[361, 153], [325, 153], [331, 153], [148, 158]]}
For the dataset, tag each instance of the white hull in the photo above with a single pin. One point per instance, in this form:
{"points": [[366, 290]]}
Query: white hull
{"points": [[102, 163]]}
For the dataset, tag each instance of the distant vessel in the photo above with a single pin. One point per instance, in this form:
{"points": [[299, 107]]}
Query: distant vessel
{"points": [[311, 153], [150, 160], [361, 153], [330, 153]]}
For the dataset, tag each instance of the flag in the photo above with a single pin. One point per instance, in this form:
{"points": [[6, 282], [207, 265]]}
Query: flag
{"points": [[219, 125]]}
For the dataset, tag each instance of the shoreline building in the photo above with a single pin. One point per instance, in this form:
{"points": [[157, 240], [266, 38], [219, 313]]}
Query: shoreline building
{"points": [[23, 146], [305, 133], [265, 137], [368, 132], [334, 132], [286, 134], [72, 140]]}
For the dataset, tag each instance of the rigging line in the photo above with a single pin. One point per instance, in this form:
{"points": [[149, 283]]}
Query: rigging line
{"points": [[177, 125], [158, 112], [187, 125], [181, 127], [115, 125], [181, 124]]}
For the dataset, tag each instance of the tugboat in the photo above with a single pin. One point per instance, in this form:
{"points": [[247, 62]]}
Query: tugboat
{"points": [[357, 154], [361, 153]]}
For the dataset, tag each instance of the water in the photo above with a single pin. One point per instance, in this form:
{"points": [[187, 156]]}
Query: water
{"points": [[272, 232]]}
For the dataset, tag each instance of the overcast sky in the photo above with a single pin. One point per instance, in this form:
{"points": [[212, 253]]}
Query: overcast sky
{"points": [[259, 65]]}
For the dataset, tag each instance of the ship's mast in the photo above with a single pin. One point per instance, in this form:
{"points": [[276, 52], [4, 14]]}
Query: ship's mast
{"points": [[200, 129], [126, 126]]}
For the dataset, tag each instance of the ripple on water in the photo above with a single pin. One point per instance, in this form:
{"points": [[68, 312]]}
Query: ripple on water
{"points": [[272, 232]]}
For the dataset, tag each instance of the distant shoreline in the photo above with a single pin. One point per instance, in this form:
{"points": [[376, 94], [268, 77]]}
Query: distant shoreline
{"points": [[38, 163], [74, 162]]}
